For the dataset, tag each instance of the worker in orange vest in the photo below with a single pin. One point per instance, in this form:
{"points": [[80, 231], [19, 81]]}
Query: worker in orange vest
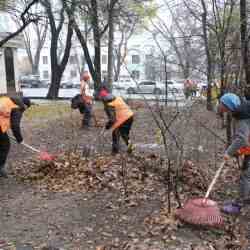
{"points": [[120, 119], [11, 110]]}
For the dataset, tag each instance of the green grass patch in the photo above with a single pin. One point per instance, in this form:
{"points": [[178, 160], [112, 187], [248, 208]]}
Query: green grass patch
{"points": [[48, 111]]}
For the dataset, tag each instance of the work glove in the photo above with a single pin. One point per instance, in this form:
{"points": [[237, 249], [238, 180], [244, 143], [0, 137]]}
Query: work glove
{"points": [[108, 125]]}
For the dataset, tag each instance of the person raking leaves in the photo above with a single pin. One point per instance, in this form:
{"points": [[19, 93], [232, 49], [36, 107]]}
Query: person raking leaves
{"points": [[120, 119], [83, 101], [11, 111], [240, 110]]}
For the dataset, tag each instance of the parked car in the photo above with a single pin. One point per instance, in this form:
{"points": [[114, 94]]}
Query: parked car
{"points": [[152, 87], [175, 86], [66, 85], [30, 83], [24, 84], [76, 85], [45, 83], [119, 85]]}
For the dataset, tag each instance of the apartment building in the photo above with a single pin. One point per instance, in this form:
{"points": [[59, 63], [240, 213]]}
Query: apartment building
{"points": [[9, 73]]}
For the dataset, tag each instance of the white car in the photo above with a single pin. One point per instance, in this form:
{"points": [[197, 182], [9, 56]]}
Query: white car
{"points": [[153, 87], [176, 86], [122, 84], [118, 85]]}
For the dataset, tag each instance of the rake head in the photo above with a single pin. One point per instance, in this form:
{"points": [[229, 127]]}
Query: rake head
{"points": [[45, 156], [200, 211]]}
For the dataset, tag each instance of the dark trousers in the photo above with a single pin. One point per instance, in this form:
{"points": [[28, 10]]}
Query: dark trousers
{"points": [[245, 180], [122, 131], [86, 110], [4, 148]]}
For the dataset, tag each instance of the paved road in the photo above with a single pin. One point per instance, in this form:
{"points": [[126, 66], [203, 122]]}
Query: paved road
{"points": [[69, 93]]}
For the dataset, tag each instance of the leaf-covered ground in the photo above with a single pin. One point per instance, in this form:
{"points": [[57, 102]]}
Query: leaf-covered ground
{"points": [[89, 199]]}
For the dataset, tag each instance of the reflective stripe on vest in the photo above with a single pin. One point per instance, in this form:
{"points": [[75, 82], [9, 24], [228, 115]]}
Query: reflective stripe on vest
{"points": [[122, 111], [6, 105]]}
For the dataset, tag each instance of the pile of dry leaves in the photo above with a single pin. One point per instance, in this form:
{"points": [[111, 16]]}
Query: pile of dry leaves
{"points": [[73, 172], [133, 176]]}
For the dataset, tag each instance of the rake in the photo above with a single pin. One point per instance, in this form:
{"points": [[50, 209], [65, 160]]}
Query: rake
{"points": [[202, 211], [42, 155], [91, 147]]}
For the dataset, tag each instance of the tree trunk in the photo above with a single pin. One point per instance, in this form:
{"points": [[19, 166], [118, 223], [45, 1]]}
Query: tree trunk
{"points": [[110, 47], [55, 85], [85, 51], [97, 45], [57, 68], [208, 56], [117, 68], [35, 69], [244, 44]]}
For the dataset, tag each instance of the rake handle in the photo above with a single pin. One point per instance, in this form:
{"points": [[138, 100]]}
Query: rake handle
{"points": [[26, 145], [30, 147], [217, 174]]}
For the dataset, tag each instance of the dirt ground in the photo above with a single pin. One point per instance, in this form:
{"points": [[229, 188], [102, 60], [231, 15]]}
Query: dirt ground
{"points": [[34, 216]]}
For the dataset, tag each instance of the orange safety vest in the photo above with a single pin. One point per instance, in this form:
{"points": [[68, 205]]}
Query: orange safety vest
{"points": [[6, 105], [122, 111]]}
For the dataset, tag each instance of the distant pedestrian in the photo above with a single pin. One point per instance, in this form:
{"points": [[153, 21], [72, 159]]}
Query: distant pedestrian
{"points": [[215, 94], [120, 119], [194, 89], [11, 111], [187, 88]]}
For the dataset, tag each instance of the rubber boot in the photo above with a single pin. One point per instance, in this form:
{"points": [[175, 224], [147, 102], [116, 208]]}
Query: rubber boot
{"points": [[130, 148], [3, 172]]}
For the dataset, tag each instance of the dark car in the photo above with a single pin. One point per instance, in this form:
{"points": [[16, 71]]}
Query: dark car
{"points": [[30, 83]]}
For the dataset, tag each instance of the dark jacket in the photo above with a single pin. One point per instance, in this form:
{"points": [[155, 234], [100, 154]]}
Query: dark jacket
{"points": [[242, 125], [77, 102], [110, 111]]}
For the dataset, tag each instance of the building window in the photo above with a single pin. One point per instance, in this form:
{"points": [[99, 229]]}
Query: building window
{"points": [[135, 74], [73, 73], [45, 60], [135, 59], [104, 59], [72, 59], [45, 74]]}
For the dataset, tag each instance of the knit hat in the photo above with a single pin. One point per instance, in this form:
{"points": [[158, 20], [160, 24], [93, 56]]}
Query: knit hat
{"points": [[231, 101], [103, 93]]}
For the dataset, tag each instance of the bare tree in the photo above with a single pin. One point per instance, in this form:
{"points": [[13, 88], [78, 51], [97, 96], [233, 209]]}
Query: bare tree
{"points": [[181, 36], [245, 38], [126, 29], [98, 26], [58, 64], [35, 34], [111, 12], [26, 18]]}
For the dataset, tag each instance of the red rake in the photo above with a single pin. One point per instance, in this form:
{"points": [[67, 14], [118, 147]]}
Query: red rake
{"points": [[202, 211]]}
